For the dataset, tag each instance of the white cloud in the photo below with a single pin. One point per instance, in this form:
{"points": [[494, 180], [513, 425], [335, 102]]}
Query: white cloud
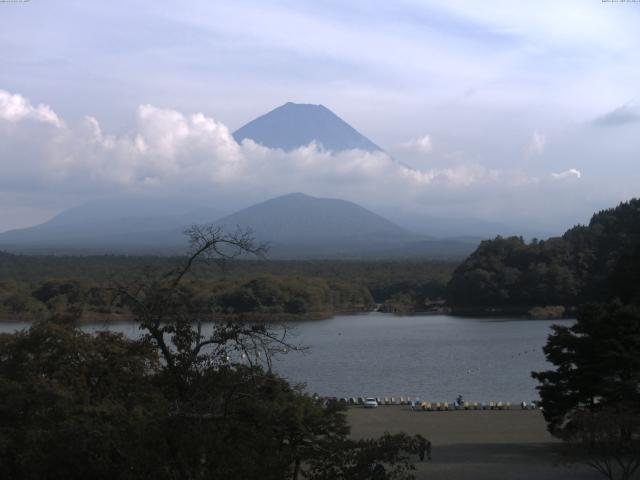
{"points": [[571, 173], [458, 176], [14, 107], [422, 144], [536, 144], [168, 147]]}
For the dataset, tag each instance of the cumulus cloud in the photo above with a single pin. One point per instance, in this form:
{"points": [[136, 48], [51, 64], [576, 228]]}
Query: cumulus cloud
{"points": [[536, 144], [169, 148], [571, 173], [14, 107], [422, 144], [167, 145], [458, 176], [623, 115]]}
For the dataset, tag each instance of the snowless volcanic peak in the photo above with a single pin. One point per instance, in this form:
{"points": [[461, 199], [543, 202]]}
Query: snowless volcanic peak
{"points": [[294, 125]]}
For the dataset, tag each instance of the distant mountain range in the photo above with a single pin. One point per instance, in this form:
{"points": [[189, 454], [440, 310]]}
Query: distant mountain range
{"points": [[295, 225], [113, 225], [293, 125]]}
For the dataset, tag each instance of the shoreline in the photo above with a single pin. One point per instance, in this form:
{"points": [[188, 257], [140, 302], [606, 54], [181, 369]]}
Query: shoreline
{"points": [[97, 317]]}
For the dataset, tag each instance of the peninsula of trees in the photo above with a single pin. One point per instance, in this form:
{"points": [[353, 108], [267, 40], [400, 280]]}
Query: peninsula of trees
{"points": [[596, 262]]}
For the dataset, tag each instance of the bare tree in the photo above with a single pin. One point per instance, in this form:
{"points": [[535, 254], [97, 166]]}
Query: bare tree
{"points": [[165, 310]]}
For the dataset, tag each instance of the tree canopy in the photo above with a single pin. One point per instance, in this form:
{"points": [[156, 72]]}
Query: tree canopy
{"points": [[570, 270]]}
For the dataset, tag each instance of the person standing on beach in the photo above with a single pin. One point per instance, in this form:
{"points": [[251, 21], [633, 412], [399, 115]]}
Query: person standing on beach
{"points": [[424, 446]]}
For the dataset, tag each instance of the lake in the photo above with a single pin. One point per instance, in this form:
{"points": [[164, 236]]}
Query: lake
{"points": [[434, 357]]}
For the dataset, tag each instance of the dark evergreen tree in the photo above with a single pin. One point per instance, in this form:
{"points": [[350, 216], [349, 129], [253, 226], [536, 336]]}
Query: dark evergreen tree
{"points": [[591, 399]]}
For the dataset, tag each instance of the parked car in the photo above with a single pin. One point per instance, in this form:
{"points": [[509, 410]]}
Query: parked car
{"points": [[370, 402]]}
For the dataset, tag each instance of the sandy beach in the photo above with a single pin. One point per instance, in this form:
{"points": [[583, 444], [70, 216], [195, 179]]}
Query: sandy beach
{"points": [[475, 445]]}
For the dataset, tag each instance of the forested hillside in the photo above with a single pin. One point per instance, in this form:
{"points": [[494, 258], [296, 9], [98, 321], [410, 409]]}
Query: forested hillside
{"points": [[590, 263]]}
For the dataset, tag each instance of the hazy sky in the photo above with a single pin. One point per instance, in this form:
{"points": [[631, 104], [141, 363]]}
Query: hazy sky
{"points": [[525, 112]]}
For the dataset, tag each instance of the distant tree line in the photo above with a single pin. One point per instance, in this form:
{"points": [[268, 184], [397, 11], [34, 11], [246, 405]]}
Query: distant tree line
{"points": [[265, 296], [31, 287]]}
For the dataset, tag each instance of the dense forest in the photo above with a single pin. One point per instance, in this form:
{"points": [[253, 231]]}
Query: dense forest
{"points": [[37, 286], [596, 262]]}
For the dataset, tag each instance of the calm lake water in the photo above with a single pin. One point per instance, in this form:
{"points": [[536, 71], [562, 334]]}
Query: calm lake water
{"points": [[434, 357]]}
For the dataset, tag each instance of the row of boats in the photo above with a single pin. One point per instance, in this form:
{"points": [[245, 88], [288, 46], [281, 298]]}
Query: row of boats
{"points": [[417, 404], [441, 406]]}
